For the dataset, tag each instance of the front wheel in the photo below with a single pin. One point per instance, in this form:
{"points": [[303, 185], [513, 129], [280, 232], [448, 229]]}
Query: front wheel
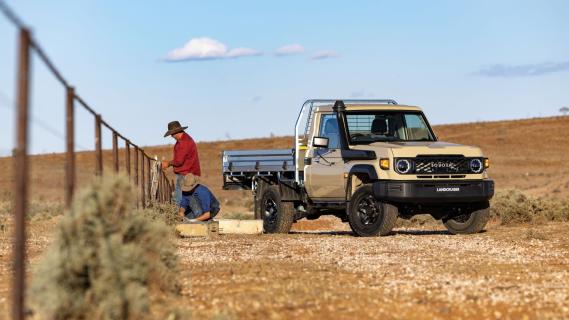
{"points": [[472, 221], [369, 217]]}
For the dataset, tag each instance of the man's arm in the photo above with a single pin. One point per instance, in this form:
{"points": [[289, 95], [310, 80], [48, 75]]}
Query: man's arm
{"points": [[181, 213], [180, 153], [204, 217]]}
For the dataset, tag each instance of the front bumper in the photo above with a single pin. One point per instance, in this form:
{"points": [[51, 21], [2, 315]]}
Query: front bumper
{"points": [[420, 191]]}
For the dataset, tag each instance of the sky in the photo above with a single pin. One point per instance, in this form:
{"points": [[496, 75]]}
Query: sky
{"points": [[242, 69]]}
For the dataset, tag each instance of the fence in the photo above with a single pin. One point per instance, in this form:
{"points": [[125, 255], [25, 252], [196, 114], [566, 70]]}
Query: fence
{"points": [[141, 173]]}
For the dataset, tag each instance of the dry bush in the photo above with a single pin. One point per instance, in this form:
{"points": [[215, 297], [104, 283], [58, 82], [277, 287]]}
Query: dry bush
{"points": [[532, 234], [165, 212], [237, 215], [36, 209], [418, 220], [513, 206], [105, 259]]}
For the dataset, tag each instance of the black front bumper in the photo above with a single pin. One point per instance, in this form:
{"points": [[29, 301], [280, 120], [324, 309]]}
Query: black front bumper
{"points": [[448, 191]]}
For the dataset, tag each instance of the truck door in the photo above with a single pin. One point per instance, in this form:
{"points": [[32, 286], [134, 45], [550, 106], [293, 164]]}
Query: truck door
{"points": [[324, 176]]}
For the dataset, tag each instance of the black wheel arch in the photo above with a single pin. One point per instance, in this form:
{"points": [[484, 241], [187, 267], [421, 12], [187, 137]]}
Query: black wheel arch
{"points": [[365, 172]]}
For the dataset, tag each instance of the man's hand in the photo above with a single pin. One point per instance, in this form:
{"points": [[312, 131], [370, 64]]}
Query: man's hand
{"points": [[165, 164]]}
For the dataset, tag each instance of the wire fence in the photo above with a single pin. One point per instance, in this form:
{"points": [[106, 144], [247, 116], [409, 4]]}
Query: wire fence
{"points": [[146, 173]]}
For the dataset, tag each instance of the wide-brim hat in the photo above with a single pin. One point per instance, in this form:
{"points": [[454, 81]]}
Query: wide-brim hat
{"points": [[189, 182], [173, 128]]}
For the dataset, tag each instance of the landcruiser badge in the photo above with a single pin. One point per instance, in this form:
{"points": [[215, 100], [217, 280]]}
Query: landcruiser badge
{"points": [[448, 189]]}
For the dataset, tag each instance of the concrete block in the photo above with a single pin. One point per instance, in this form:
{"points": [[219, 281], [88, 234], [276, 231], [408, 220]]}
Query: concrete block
{"points": [[234, 226], [198, 229]]}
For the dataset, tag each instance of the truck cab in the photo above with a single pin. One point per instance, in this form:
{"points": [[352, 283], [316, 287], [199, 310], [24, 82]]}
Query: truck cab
{"points": [[368, 162]]}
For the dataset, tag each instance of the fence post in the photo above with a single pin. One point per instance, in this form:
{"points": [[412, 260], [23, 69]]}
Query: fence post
{"points": [[98, 146], [135, 162], [148, 182], [21, 175], [160, 186], [142, 180], [127, 156], [115, 152], [70, 137]]}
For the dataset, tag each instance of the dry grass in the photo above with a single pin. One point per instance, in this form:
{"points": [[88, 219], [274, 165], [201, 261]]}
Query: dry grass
{"points": [[105, 259], [514, 206]]}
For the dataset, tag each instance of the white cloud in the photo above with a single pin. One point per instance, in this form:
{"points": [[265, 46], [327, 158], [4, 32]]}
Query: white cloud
{"points": [[524, 70], [207, 49], [325, 54], [289, 50]]}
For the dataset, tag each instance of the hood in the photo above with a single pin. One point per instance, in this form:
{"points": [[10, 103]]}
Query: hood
{"points": [[413, 148]]}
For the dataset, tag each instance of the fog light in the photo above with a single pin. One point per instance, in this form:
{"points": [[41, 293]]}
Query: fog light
{"points": [[384, 163], [403, 166], [476, 166]]}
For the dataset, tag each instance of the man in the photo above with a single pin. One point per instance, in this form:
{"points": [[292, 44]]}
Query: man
{"points": [[198, 203], [185, 159]]}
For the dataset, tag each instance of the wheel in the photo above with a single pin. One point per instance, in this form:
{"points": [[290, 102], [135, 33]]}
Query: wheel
{"points": [[277, 215], [469, 222], [369, 217]]}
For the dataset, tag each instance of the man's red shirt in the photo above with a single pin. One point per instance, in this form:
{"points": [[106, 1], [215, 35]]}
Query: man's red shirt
{"points": [[186, 156]]}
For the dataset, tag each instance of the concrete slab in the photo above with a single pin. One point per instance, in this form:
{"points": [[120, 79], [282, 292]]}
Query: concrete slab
{"points": [[199, 229], [235, 226]]}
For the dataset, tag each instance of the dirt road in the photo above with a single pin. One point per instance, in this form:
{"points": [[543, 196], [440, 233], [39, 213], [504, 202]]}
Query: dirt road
{"points": [[420, 273]]}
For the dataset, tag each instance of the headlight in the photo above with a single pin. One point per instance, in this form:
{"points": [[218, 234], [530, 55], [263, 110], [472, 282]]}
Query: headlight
{"points": [[403, 166], [476, 166]]}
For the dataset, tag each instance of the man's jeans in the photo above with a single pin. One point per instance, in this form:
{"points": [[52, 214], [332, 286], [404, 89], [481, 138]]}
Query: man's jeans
{"points": [[178, 192]]}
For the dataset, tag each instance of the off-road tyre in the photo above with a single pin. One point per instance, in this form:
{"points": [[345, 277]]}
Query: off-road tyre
{"points": [[469, 223], [277, 215], [369, 217]]}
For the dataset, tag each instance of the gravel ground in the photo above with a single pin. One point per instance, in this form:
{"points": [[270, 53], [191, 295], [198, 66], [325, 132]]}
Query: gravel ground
{"points": [[506, 272], [519, 272]]}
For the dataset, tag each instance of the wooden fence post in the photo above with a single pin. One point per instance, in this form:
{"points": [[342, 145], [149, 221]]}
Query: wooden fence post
{"points": [[21, 176], [70, 146]]}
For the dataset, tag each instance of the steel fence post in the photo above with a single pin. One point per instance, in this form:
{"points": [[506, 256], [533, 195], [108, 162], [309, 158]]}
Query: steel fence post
{"points": [[70, 146], [98, 146], [21, 175]]}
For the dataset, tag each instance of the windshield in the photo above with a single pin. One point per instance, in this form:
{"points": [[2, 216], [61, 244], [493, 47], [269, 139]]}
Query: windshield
{"points": [[387, 126]]}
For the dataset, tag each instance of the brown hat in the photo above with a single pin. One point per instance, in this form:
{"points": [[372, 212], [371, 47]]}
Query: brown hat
{"points": [[173, 128], [190, 182]]}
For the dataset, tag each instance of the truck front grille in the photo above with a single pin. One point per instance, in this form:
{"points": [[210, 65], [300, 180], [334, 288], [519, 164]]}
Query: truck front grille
{"points": [[447, 165]]}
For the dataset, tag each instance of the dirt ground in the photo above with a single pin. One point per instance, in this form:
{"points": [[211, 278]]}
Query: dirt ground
{"points": [[322, 271]]}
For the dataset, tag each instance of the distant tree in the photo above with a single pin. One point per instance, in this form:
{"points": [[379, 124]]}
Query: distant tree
{"points": [[564, 110]]}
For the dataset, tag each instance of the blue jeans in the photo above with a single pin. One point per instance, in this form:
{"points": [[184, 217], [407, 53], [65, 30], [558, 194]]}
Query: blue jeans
{"points": [[178, 192]]}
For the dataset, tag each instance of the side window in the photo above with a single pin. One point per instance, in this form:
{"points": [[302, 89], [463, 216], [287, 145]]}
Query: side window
{"points": [[329, 129]]}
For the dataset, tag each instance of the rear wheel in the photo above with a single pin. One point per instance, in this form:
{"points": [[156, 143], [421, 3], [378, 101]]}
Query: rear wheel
{"points": [[471, 221], [277, 215], [369, 217]]}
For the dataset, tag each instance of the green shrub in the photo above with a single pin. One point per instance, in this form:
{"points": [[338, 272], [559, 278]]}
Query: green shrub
{"points": [[105, 259]]}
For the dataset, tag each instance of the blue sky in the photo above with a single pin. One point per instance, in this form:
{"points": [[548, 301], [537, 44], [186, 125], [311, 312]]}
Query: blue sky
{"points": [[462, 61]]}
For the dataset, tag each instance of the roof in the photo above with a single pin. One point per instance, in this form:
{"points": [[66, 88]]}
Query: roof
{"points": [[363, 107]]}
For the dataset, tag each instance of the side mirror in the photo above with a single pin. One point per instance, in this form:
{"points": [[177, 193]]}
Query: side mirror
{"points": [[320, 142]]}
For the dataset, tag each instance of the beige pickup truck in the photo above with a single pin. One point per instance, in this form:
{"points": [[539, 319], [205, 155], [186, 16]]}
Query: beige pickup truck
{"points": [[368, 162]]}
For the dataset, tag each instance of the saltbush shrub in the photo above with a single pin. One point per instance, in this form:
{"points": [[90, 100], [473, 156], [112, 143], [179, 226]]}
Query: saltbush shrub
{"points": [[105, 260]]}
